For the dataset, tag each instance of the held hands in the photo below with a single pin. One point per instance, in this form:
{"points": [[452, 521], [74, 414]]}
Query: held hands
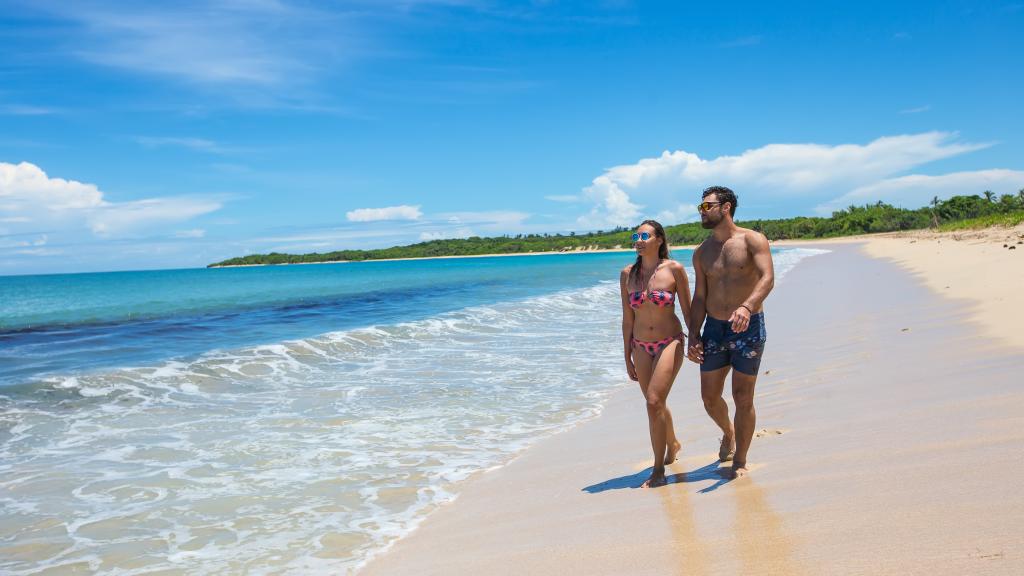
{"points": [[740, 319], [695, 352]]}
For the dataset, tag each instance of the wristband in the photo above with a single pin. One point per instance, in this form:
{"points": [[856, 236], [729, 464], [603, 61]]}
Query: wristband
{"points": [[747, 307]]}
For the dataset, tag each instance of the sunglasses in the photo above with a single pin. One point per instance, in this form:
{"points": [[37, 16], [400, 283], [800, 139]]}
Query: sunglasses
{"points": [[705, 206], [645, 236]]}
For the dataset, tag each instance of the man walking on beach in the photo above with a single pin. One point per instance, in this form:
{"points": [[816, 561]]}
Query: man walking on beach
{"points": [[734, 275]]}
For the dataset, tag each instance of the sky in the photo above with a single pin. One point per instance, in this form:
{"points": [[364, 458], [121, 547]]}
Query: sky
{"points": [[177, 134]]}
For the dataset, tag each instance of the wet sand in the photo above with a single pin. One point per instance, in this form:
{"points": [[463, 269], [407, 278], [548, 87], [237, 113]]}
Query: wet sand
{"points": [[892, 426]]}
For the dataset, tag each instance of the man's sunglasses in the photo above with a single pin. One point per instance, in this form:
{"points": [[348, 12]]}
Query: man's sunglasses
{"points": [[705, 206], [645, 236]]}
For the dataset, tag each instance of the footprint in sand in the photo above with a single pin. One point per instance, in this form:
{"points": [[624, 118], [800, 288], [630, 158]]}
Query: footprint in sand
{"points": [[769, 432]]}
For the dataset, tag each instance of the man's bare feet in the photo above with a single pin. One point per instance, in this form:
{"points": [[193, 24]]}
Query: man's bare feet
{"points": [[657, 478], [727, 449], [736, 471], [670, 452]]}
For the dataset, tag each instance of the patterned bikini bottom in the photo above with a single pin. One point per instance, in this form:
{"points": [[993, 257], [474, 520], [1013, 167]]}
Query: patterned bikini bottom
{"points": [[653, 348]]}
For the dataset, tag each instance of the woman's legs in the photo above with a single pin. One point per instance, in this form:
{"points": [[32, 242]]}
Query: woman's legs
{"points": [[656, 376]]}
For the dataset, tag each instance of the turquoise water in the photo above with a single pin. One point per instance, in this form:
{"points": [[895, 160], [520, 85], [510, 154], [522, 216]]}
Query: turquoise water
{"points": [[68, 324], [283, 420]]}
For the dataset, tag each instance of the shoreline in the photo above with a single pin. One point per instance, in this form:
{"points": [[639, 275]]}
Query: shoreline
{"points": [[839, 384], [780, 243]]}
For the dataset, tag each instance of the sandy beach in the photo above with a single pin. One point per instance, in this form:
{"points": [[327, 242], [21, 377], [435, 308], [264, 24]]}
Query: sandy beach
{"points": [[890, 442]]}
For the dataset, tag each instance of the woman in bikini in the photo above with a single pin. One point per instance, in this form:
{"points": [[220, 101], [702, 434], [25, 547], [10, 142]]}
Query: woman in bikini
{"points": [[652, 335]]}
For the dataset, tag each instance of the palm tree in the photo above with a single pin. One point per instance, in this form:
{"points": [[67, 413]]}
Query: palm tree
{"points": [[989, 195], [1020, 196]]}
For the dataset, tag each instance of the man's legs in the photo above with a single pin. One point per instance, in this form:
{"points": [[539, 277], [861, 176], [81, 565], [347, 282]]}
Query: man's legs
{"points": [[712, 384], [746, 418]]}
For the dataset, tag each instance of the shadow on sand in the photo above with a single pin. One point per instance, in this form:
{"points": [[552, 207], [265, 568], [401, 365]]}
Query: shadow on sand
{"points": [[709, 472]]}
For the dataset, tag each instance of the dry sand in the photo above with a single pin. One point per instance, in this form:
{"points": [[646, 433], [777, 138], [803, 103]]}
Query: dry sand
{"points": [[892, 432], [984, 269]]}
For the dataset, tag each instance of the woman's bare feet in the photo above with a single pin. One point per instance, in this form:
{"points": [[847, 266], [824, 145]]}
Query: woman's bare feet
{"points": [[727, 449], [671, 451], [657, 478]]}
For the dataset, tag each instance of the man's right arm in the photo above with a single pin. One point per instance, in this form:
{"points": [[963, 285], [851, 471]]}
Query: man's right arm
{"points": [[697, 308]]}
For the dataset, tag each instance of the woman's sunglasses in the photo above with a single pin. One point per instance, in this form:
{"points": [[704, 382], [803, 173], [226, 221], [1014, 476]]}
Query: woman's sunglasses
{"points": [[645, 236]]}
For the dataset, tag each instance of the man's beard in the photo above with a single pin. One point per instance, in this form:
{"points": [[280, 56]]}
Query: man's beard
{"points": [[707, 223]]}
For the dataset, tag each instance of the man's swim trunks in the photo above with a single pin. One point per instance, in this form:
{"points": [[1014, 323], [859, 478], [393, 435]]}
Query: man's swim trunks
{"points": [[723, 347]]}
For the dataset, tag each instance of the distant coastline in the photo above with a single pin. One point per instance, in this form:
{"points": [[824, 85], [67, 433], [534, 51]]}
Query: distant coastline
{"points": [[451, 256], [956, 213]]}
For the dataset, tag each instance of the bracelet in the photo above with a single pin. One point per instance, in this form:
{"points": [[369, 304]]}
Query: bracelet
{"points": [[747, 307]]}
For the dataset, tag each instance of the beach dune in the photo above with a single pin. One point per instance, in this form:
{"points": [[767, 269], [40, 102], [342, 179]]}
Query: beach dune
{"points": [[891, 426]]}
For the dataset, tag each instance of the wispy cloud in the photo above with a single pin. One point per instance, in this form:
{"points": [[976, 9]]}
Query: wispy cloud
{"points": [[402, 212], [917, 189], [917, 110], [197, 144]]}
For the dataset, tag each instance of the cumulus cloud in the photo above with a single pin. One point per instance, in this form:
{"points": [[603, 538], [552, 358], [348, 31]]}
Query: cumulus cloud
{"points": [[403, 212], [815, 172], [31, 198], [682, 213], [24, 186]]}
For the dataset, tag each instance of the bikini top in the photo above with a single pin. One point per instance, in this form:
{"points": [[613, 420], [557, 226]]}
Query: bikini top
{"points": [[661, 298]]}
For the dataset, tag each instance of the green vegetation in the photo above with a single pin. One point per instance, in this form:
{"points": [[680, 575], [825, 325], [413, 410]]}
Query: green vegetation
{"points": [[1007, 220], [956, 213]]}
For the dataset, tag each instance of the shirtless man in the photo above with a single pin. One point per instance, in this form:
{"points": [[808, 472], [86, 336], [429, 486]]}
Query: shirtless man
{"points": [[734, 275]]}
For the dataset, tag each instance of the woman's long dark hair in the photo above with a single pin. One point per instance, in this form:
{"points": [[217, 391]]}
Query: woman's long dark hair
{"points": [[659, 232]]}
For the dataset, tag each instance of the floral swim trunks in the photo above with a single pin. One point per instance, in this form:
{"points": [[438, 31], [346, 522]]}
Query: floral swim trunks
{"points": [[723, 347]]}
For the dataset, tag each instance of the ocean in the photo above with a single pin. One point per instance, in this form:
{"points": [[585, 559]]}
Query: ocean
{"points": [[289, 419]]}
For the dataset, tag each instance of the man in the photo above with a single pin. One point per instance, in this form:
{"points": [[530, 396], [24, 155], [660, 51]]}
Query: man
{"points": [[734, 275]]}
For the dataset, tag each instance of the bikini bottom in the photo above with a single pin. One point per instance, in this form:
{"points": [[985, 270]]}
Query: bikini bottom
{"points": [[653, 348]]}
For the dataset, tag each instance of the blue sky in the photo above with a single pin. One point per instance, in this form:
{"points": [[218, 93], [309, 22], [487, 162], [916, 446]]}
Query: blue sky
{"points": [[174, 134]]}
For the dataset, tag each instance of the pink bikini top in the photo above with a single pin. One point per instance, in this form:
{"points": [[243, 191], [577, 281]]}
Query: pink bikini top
{"points": [[660, 298]]}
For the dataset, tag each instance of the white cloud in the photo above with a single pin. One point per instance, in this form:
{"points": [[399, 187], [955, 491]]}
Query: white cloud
{"points": [[206, 44], [402, 212], [31, 198], [916, 110], [773, 172], [193, 233], [132, 216], [682, 213], [25, 186], [917, 189]]}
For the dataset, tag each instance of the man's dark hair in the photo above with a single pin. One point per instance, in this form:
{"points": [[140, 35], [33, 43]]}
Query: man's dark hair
{"points": [[724, 195]]}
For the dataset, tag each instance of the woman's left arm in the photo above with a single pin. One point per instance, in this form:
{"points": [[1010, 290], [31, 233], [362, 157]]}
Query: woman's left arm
{"points": [[682, 290]]}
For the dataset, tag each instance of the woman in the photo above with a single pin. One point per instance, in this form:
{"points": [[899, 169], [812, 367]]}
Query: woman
{"points": [[652, 335]]}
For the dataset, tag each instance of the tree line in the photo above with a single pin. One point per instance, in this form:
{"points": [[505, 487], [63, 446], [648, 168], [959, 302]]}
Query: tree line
{"points": [[869, 218]]}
